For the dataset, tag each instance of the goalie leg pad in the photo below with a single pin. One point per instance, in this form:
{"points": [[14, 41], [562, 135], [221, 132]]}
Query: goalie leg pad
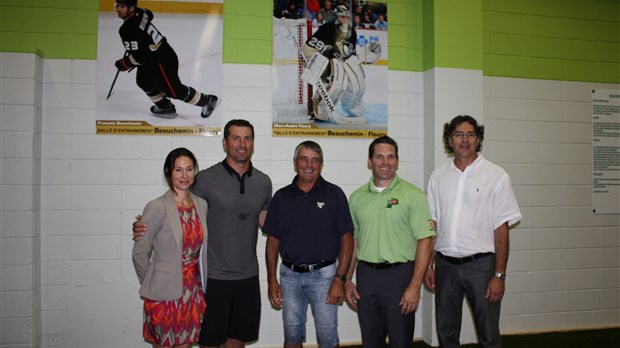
{"points": [[356, 77], [328, 95], [337, 81], [352, 102], [324, 107], [353, 108]]}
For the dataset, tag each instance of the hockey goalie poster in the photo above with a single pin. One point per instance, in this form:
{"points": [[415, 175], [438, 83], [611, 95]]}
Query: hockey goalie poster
{"points": [[159, 68], [329, 68]]}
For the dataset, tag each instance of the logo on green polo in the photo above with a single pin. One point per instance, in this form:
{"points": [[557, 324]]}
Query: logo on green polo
{"points": [[391, 202]]}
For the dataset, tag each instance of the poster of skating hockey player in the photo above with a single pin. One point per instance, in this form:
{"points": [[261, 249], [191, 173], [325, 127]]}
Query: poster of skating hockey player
{"points": [[329, 68], [159, 68]]}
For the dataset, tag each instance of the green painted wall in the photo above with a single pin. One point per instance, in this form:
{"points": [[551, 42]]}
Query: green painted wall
{"points": [[575, 40], [248, 31], [452, 34], [55, 28], [405, 39]]}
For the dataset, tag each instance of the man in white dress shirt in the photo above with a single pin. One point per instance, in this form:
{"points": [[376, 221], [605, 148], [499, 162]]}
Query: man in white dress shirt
{"points": [[473, 205]]}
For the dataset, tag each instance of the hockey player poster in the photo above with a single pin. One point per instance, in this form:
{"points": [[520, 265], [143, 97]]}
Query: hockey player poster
{"points": [[159, 67], [329, 68]]}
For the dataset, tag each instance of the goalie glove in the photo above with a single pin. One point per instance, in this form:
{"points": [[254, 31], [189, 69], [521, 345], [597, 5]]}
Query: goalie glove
{"points": [[374, 52], [124, 64]]}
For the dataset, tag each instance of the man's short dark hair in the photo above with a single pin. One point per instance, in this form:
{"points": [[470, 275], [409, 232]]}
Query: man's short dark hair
{"points": [[384, 139], [238, 123], [449, 127]]}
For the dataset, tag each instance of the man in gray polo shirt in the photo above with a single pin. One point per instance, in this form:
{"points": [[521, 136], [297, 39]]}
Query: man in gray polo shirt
{"points": [[238, 196]]}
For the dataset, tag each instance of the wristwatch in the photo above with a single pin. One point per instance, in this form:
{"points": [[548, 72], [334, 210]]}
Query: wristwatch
{"points": [[501, 276], [342, 277]]}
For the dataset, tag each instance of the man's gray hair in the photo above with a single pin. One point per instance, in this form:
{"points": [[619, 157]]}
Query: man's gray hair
{"points": [[310, 145]]}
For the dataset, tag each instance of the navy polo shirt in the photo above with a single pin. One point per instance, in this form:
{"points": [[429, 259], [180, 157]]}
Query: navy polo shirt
{"points": [[309, 225]]}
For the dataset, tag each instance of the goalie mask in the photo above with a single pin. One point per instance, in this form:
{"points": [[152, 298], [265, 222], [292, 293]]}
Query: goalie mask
{"points": [[344, 19]]}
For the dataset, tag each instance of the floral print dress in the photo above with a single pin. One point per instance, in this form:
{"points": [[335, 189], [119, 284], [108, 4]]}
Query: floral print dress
{"points": [[170, 323]]}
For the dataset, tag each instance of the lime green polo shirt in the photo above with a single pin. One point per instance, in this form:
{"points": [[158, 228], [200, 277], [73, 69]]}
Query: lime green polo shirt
{"points": [[388, 224]]}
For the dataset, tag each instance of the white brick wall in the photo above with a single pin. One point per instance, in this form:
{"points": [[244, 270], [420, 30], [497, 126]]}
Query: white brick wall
{"points": [[564, 265], [566, 275], [20, 164]]}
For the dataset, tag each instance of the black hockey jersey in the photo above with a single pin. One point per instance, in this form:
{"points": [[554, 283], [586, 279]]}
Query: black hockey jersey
{"points": [[140, 37], [330, 34]]}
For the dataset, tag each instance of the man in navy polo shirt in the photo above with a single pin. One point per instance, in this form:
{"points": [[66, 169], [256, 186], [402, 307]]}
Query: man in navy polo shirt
{"points": [[309, 224]]}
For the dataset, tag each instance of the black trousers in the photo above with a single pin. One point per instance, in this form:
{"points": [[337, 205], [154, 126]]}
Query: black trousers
{"points": [[452, 284], [378, 311]]}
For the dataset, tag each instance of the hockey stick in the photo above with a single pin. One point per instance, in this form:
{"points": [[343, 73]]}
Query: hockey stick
{"points": [[113, 83], [115, 77]]}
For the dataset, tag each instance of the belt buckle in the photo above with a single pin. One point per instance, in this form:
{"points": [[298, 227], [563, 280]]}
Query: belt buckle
{"points": [[310, 268]]}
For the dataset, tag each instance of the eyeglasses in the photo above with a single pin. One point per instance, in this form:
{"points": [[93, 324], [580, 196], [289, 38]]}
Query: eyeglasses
{"points": [[460, 135]]}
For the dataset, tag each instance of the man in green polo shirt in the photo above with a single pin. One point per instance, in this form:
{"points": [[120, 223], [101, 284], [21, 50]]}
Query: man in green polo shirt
{"points": [[393, 232]]}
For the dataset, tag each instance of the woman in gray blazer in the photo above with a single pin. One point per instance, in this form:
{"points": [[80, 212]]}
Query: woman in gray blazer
{"points": [[168, 261]]}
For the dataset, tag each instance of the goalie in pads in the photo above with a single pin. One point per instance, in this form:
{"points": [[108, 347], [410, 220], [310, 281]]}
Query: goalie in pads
{"points": [[335, 71]]}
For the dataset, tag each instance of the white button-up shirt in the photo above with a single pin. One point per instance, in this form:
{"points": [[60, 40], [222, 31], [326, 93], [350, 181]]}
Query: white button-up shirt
{"points": [[469, 205]]}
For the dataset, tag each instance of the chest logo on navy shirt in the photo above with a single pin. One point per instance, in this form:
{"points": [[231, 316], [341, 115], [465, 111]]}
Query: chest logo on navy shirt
{"points": [[320, 205], [391, 202]]}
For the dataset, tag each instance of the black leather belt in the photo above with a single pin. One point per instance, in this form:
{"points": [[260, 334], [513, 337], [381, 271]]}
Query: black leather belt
{"points": [[462, 260], [307, 268], [382, 265]]}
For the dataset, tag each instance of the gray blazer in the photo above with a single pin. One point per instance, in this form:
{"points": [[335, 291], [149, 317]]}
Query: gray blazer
{"points": [[157, 257]]}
